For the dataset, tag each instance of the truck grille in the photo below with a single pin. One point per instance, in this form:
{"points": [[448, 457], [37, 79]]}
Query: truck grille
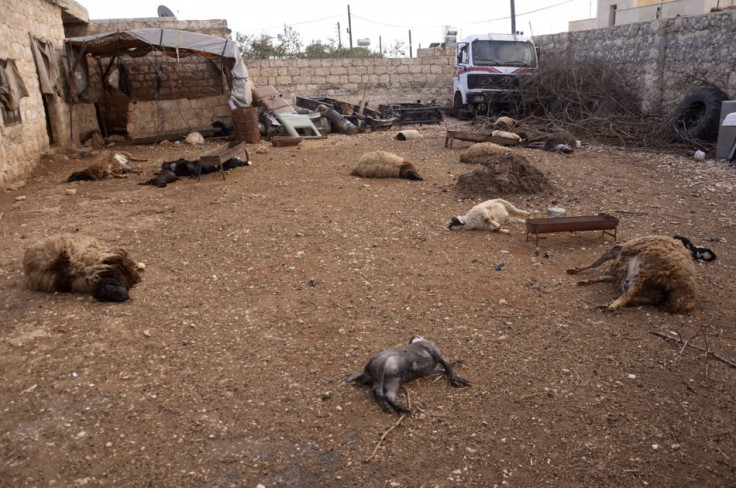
{"points": [[492, 82]]}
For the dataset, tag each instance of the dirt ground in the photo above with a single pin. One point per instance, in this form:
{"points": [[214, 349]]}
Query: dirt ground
{"points": [[262, 293]]}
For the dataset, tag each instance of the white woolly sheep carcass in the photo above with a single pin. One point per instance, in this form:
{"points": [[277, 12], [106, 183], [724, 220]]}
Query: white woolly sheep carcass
{"points": [[489, 215]]}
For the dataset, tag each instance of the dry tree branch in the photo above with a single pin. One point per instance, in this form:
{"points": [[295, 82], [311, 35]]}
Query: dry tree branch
{"points": [[686, 343], [378, 444], [592, 97]]}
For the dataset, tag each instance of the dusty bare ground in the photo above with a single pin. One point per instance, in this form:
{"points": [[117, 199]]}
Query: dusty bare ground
{"points": [[263, 292]]}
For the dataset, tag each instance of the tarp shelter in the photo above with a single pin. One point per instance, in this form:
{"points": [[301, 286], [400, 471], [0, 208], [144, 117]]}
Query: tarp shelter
{"points": [[175, 43]]}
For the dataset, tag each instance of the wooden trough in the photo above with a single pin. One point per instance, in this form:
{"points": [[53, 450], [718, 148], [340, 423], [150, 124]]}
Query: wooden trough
{"points": [[285, 141], [602, 222]]}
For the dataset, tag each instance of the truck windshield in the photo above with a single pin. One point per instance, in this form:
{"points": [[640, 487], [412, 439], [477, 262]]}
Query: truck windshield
{"points": [[504, 53]]}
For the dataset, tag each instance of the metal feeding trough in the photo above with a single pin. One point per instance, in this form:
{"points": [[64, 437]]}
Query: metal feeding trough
{"points": [[220, 155], [602, 222]]}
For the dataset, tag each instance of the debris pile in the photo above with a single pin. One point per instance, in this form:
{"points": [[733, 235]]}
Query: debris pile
{"points": [[502, 174]]}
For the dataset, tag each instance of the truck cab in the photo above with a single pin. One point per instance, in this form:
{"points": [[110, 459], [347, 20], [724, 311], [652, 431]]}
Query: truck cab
{"points": [[488, 68]]}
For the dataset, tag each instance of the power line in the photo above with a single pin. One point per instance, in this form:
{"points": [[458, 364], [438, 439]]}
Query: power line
{"points": [[405, 26], [290, 24], [522, 14]]}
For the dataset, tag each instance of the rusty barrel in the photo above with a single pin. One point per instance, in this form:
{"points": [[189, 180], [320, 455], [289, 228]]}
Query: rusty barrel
{"points": [[245, 123]]}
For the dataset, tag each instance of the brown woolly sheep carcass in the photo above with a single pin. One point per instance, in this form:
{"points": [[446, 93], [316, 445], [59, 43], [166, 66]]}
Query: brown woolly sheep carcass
{"points": [[82, 264], [382, 164], [115, 165], [650, 269]]}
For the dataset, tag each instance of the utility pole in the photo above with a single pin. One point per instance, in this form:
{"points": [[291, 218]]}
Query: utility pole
{"points": [[339, 37], [380, 46], [410, 51], [350, 29], [513, 17]]}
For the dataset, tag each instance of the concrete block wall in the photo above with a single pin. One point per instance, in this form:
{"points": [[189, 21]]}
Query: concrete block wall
{"points": [[156, 76], [162, 116]]}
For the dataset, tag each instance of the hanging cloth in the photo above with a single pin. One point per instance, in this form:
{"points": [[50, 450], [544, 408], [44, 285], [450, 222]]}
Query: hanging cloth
{"points": [[12, 88], [48, 74], [124, 80]]}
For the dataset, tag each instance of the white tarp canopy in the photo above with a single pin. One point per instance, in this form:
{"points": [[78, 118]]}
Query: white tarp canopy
{"points": [[139, 42]]}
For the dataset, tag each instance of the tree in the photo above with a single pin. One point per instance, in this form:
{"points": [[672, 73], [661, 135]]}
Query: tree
{"points": [[290, 46], [397, 50], [251, 47], [290, 43]]}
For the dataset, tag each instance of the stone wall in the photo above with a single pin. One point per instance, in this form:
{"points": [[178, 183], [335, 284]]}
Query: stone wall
{"points": [[396, 80], [663, 61], [22, 144]]}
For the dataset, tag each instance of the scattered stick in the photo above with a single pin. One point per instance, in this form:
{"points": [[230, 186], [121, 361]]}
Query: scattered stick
{"points": [[687, 344], [378, 444], [630, 212]]}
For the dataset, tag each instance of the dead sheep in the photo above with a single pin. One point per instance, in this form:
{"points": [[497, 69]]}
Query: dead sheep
{"points": [[115, 165], [556, 140], [649, 270], [559, 141], [386, 371], [81, 264], [489, 215], [382, 164], [480, 152], [171, 171]]}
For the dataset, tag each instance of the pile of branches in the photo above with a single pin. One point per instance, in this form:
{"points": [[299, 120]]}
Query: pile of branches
{"points": [[589, 98]]}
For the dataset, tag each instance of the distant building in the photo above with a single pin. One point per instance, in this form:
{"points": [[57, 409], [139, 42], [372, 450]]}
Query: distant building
{"points": [[622, 12]]}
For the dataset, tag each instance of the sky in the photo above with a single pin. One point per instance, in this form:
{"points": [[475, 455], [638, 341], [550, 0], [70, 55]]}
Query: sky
{"points": [[379, 21]]}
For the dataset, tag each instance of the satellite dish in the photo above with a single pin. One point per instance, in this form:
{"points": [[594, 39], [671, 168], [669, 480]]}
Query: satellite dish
{"points": [[164, 11]]}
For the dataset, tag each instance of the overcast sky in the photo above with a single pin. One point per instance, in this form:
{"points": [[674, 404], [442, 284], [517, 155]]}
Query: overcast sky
{"points": [[389, 20]]}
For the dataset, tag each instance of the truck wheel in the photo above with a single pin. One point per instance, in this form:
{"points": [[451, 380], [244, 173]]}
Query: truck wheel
{"points": [[698, 115], [457, 102]]}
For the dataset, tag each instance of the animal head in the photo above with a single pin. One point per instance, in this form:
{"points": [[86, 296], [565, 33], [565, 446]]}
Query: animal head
{"points": [[456, 222], [408, 171], [561, 148], [698, 253], [110, 289], [123, 162], [416, 338]]}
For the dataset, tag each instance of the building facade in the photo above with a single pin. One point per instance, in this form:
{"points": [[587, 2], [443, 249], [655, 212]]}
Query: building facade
{"points": [[621, 12]]}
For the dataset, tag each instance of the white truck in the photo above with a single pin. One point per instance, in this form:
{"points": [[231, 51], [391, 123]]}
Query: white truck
{"points": [[487, 70]]}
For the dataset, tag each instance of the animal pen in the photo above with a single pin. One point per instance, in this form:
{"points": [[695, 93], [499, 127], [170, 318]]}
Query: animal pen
{"points": [[155, 84]]}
